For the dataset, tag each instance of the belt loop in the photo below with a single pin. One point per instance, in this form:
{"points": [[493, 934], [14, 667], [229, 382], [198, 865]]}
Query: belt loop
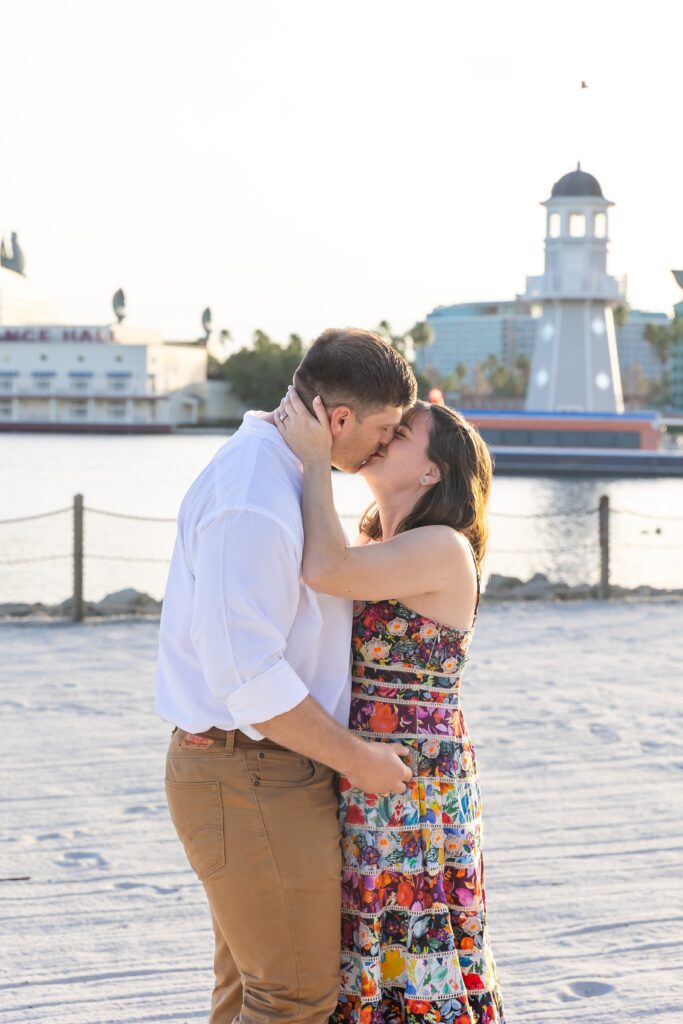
{"points": [[230, 741]]}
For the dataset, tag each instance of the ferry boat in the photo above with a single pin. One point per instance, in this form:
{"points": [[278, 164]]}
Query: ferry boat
{"points": [[603, 444]]}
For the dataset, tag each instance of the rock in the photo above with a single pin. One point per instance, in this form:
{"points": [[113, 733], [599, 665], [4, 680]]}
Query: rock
{"points": [[17, 609], [580, 592], [497, 584], [537, 587], [124, 602]]}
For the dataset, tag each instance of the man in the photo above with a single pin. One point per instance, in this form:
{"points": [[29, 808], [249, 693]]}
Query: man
{"points": [[254, 672]]}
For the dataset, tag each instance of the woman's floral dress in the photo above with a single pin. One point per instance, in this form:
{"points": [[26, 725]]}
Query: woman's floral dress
{"points": [[415, 948]]}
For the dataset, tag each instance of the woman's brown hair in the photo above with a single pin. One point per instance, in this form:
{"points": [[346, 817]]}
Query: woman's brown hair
{"points": [[459, 499]]}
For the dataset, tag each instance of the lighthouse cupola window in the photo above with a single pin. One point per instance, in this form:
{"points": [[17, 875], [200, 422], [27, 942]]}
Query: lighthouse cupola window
{"points": [[600, 225], [554, 225], [577, 225]]}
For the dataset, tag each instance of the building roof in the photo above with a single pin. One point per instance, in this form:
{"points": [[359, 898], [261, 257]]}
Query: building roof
{"points": [[577, 183]]}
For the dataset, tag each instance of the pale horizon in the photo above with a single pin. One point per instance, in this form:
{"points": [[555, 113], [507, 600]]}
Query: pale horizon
{"points": [[296, 166]]}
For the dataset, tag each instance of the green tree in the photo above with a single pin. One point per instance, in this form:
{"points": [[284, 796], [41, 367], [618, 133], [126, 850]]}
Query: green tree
{"points": [[260, 375], [503, 381], [621, 313], [456, 380], [420, 334], [662, 339], [460, 374], [522, 373]]}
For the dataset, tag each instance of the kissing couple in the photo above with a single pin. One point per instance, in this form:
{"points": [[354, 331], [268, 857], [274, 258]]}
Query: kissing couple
{"points": [[320, 775]]}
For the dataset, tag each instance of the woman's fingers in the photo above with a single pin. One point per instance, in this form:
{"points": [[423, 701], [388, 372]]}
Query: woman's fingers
{"points": [[320, 411], [296, 402]]}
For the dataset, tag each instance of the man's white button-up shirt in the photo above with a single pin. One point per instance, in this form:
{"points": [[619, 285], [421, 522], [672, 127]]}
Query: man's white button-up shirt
{"points": [[242, 638]]}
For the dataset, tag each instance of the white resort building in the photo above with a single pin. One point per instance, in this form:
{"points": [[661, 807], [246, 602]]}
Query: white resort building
{"points": [[97, 377], [108, 378]]}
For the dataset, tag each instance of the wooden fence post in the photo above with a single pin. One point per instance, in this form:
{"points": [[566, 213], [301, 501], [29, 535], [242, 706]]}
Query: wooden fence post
{"points": [[603, 516], [78, 558]]}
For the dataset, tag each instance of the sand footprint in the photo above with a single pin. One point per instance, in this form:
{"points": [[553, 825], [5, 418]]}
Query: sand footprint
{"points": [[584, 989], [83, 858], [604, 732], [162, 890]]}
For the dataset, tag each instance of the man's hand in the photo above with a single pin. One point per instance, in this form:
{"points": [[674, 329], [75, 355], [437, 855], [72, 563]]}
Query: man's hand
{"points": [[379, 769]]}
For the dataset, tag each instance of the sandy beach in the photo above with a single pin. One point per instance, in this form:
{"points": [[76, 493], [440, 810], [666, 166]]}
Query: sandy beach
{"points": [[576, 712]]}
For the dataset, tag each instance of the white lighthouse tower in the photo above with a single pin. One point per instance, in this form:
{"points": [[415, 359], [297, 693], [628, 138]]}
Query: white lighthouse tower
{"points": [[575, 367]]}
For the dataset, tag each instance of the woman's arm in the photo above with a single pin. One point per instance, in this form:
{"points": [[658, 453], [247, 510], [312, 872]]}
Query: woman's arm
{"points": [[421, 561]]}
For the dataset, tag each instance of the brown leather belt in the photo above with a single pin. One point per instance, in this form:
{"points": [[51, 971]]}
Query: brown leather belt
{"points": [[241, 739]]}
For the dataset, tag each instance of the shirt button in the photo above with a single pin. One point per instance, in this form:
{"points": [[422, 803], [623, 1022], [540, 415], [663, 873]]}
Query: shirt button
{"points": [[261, 754], [256, 782]]}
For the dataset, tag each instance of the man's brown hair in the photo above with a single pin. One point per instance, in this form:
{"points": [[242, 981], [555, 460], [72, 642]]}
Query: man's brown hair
{"points": [[350, 366]]}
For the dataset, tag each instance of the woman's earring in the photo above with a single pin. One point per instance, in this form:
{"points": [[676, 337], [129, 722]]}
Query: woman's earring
{"points": [[424, 480]]}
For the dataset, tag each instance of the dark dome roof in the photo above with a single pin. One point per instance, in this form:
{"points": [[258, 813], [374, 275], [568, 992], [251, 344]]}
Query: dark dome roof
{"points": [[577, 183]]}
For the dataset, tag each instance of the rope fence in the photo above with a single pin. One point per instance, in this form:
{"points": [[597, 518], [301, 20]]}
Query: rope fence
{"points": [[585, 545]]}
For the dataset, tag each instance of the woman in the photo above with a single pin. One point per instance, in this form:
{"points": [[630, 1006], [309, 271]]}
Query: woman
{"points": [[414, 939]]}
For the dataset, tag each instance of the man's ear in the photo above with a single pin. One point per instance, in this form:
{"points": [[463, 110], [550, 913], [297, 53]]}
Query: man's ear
{"points": [[339, 417]]}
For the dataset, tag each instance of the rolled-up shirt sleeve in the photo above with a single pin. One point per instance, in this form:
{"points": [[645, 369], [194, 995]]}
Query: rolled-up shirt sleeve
{"points": [[246, 593]]}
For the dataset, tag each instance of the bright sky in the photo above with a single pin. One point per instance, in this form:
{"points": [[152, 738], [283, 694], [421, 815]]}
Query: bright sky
{"points": [[301, 163]]}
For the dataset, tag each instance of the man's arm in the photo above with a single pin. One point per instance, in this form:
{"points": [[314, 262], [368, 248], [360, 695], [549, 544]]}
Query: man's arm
{"points": [[241, 620], [308, 729]]}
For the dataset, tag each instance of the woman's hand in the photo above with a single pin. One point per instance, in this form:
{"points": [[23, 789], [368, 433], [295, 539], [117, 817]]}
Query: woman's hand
{"points": [[308, 436]]}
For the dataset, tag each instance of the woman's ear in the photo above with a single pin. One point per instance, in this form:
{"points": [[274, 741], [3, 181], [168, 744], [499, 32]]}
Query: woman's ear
{"points": [[339, 417], [431, 477]]}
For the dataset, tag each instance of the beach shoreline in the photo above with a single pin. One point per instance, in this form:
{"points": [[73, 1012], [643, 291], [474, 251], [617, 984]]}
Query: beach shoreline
{"points": [[580, 753]]}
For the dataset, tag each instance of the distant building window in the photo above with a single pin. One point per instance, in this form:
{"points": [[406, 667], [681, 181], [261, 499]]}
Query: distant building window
{"points": [[42, 385], [600, 225], [118, 385], [577, 225], [79, 380], [554, 225], [43, 357], [119, 359], [6, 385], [79, 410], [117, 410], [5, 409]]}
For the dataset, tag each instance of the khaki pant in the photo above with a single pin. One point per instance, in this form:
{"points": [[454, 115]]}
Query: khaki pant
{"points": [[259, 826]]}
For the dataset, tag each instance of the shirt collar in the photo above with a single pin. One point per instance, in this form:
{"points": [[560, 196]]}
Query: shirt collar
{"points": [[254, 423]]}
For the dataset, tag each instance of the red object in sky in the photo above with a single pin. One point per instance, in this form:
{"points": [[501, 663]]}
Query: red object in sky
{"points": [[436, 396]]}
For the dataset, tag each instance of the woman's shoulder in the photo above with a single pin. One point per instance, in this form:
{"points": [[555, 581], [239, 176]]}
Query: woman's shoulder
{"points": [[445, 537]]}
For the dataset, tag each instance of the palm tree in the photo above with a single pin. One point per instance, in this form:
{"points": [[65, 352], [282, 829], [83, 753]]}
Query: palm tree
{"points": [[458, 377], [661, 338], [621, 313], [421, 333]]}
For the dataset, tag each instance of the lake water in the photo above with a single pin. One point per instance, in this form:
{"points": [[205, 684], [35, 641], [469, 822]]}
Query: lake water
{"points": [[536, 524]]}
